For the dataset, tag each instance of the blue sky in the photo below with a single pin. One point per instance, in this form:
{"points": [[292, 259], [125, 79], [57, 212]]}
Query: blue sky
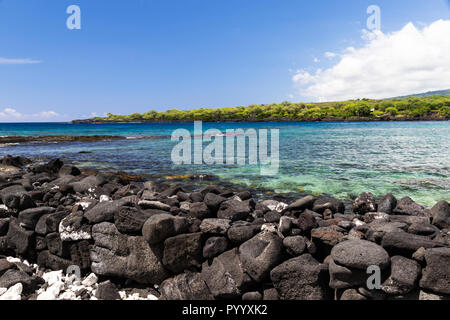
{"points": [[138, 55]]}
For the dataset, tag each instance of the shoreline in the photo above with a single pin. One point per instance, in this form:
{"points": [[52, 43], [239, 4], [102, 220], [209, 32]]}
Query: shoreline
{"points": [[11, 141], [384, 119], [155, 240]]}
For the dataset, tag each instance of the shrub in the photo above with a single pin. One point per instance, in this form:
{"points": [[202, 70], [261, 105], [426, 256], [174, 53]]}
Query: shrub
{"points": [[392, 111]]}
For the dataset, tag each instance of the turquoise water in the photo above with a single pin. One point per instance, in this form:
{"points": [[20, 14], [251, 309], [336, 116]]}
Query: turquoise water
{"points": [[342, 159]]}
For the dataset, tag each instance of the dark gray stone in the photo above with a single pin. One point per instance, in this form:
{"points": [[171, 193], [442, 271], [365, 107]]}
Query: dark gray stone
{"points": [[103, 212], [408, 207], [158, 205], [441, 214], [183, 252], [30, 217], [199, 210], [5, 265], [404, 276], [162, 226], [424, 229], [285, 225], [342, 277], [387, 204], [436, 275], [41, 225], [252, 296], [225, 277], [300, 278], [409, 219], [241, 232], [11, 196], [151, 186], [301, 204], [260, 254], [54, 219], [53, 166], [20, 240], [85, 184], [244, 195], [13, 276], [4, 225], [107, 291], [74, 228], [215, 226], [56, 246], [335, 205], [213, 201], [306, 221], [405, 244], [378, 228], [80, 252], [171, 191], [130, 220], [270, 294], [295, 246], [352, 295], [214, 246], [53, 262], [364, 203], [196, 197], [233, 210], [67, 170], [272, 217], [185, 286], [118, 255], [325, 238], [360, 254]]}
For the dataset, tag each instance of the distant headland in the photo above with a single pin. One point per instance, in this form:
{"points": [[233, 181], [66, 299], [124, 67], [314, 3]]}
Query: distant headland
{"points": [[411, 108]]}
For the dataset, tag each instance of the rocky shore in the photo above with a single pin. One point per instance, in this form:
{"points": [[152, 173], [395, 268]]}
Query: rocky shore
{"points": [[15, 140], [148, 240]]}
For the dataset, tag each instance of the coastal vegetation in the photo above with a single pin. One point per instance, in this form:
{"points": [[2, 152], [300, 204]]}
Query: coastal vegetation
{"points": [[409, 108]]}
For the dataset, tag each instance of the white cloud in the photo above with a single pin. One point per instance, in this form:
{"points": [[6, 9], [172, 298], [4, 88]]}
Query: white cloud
{"points": [[47, 114], [316, 60], [18, 61], [408, 61], [330, 55], [12, 115]]}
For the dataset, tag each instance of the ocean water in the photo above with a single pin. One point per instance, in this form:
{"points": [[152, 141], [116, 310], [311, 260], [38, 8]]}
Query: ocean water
{"points": [[341, 159]]}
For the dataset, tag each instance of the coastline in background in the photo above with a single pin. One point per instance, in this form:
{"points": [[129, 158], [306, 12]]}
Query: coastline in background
{"points": [[433, 107]]}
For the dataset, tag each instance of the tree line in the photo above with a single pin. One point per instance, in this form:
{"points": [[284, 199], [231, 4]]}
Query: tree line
{"points": [[400, 108]]}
